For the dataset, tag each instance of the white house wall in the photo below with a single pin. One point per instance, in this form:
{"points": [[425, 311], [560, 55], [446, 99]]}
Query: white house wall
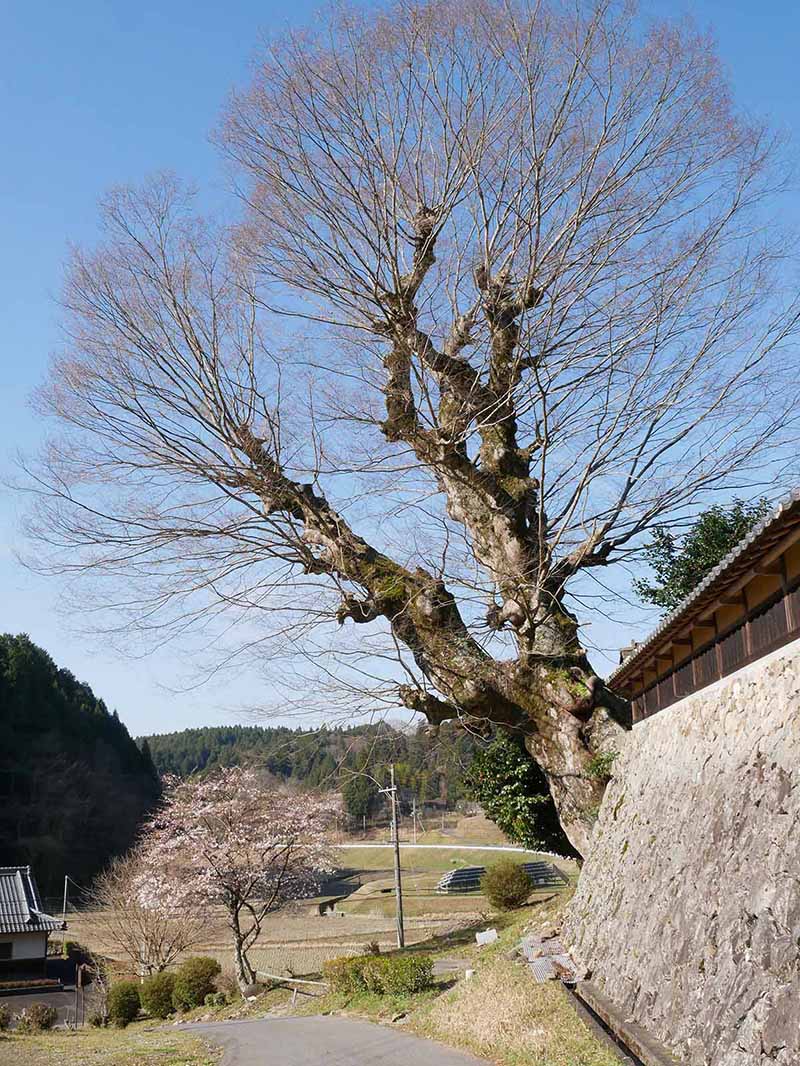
{"points": [[26, 945]]}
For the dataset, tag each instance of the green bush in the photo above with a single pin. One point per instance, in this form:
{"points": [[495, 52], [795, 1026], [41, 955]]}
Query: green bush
{"points": [[5, 1016], [97, 1019], [406, 974], [346, 974], [506, 885], [123, 1002], [194, 980], [215, 999], [35, 1018], [384, 975], [373, 973], [156, 994]]}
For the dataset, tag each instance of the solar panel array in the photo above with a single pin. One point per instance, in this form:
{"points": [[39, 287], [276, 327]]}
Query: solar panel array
{"points": [[468, 878]]}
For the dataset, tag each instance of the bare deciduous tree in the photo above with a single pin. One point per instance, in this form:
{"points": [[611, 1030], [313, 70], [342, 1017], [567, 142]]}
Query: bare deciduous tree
{"points": [[503, 296], [150, 934]]}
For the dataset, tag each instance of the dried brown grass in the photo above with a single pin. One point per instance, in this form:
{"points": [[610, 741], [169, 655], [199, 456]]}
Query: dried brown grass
{"points": [[502, 1014]]}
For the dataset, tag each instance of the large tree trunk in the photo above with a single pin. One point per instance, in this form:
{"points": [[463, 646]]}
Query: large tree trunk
{"points": [[574, 753], [571, 731], [571, 723], [245, 974]]}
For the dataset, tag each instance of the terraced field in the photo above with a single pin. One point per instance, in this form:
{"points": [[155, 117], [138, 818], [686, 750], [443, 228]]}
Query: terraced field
{"points": [[358, 909]]}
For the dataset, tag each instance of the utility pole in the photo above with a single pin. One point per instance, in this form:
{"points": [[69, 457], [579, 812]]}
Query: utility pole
{"points": [[398, 887], [64, 915]]}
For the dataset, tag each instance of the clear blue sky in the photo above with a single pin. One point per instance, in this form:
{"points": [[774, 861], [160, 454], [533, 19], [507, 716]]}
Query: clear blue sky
{"points": [[99, 93]]}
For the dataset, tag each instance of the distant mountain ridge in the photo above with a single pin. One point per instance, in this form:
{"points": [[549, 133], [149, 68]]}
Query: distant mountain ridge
{"points": [[74, 785], [427, 768]]}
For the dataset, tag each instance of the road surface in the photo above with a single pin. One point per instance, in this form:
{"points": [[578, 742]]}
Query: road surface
{"points": [[325, 1042]]}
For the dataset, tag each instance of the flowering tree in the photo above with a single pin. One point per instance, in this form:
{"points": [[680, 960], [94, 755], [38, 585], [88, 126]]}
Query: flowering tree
{"points": [[229, 839], [147, 929]]}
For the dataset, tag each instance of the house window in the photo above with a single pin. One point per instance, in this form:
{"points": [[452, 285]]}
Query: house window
{"points": [[5, 949]]}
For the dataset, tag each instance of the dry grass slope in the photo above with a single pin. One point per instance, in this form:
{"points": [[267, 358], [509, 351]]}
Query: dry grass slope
{"points": [[138, 1045], [502, 1015]]}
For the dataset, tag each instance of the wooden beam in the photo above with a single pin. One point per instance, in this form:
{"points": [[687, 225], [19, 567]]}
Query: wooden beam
{"points": [[772, 555], [774, 569]]}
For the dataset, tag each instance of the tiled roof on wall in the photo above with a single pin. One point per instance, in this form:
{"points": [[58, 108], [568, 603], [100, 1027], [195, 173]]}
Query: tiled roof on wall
{"points": [[736, 563]]}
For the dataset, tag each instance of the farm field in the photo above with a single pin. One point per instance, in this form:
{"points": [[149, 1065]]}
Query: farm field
{"points": [[298, 939], [449, 828]]}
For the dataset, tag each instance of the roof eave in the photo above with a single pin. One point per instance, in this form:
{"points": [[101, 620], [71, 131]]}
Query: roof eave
{"points": [[786, 515]]}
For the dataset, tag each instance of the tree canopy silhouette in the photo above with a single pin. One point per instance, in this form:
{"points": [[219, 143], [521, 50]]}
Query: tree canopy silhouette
{"points": [[503, 296]]}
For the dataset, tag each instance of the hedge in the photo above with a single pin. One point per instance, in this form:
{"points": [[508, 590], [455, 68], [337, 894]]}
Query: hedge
{"points": [[385, 975]]}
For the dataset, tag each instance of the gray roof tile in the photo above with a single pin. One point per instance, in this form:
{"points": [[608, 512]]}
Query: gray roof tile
{"points": [[20, 907]]}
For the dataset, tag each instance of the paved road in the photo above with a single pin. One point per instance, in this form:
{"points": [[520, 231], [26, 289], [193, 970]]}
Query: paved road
{"points": [[325, 1042], [64, 1002]]}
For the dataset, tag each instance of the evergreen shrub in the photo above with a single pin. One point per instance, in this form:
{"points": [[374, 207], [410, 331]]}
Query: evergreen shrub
{"points": [[156, 994], [123, 1002], [194, 980], [506, 885], [346, 974], [384, 975]]}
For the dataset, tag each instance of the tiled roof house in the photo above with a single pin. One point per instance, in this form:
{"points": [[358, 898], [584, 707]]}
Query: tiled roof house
{"points": [[24, 926]]}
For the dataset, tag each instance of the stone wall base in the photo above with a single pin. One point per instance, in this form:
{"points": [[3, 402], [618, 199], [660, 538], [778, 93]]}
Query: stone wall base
{"points": [[687, 915]]}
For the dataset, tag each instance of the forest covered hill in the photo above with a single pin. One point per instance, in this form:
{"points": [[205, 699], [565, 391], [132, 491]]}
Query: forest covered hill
{"points": [[74, 785], [427, 768]]}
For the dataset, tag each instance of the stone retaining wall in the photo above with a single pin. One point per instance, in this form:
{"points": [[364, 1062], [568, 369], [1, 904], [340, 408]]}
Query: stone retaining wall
{"points": [[687, 914]]}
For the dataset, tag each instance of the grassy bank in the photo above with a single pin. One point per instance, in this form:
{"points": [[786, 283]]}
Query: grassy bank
{"points": [[140, 1044], [501, 1013]]}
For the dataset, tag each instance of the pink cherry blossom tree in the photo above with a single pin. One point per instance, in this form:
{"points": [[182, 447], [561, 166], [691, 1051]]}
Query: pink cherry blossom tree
{"points": [[234, 839]]}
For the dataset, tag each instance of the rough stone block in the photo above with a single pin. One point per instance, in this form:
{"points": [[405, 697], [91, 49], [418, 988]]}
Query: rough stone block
{"points": [[687, 913]]}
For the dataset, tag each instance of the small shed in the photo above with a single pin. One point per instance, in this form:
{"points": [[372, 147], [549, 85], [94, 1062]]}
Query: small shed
{"points": [[24, 927]]}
